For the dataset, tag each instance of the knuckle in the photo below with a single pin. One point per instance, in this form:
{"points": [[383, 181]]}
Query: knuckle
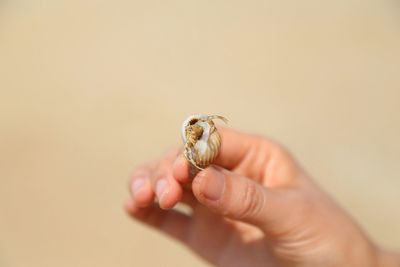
{"points": [[252, 202], [270, 147]]}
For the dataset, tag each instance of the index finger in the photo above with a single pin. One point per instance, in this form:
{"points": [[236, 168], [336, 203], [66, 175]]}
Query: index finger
{"points": [[235, 147]]}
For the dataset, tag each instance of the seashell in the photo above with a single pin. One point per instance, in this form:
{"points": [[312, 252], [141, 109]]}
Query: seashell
{"points": [[202, 140]]}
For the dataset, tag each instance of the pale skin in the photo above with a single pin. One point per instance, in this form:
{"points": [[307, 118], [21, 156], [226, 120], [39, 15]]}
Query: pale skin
{"points": [[255, 207]]}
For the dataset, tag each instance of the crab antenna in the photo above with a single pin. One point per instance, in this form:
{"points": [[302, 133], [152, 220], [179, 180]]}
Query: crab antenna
{"points": [[213, 117]]}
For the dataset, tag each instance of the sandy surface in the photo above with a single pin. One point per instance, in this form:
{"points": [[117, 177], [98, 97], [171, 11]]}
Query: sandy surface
{"points": [[89, 90]]}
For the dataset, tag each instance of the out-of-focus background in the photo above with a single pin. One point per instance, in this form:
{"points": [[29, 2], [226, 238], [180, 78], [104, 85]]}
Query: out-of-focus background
{"points": [[89, 89]]}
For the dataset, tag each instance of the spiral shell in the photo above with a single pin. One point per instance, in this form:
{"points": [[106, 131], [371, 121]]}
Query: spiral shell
{"points": [[202, 140]]}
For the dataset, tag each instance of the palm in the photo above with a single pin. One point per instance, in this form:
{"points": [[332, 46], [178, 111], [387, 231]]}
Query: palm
{"points": [[225, 242]]}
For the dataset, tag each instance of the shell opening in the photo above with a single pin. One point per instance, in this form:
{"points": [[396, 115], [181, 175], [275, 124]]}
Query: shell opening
{"points": [[201, 139]]}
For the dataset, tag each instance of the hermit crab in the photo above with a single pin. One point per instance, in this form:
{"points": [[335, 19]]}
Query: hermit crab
{"points": [[202, 140]]}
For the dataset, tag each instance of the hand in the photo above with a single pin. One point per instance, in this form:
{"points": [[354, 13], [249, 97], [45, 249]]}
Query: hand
{"points": [[254, 207]]}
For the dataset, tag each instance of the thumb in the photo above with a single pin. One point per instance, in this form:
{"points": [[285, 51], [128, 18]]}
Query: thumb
{"points": [[238, 197]]}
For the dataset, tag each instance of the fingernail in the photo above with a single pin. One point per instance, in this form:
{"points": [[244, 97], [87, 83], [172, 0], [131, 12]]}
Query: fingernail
{"points": [[161, 187], [213, 185], [137, 185]]}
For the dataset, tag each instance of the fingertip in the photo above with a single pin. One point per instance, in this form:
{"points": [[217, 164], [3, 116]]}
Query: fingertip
{"points": [[130, 207], [169, 193], [135, 211], [171, 197], [208, 185], [181, 169], [141, 192]]}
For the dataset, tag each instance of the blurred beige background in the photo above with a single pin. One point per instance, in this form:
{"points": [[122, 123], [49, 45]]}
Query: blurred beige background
{"points": [[89, 89]]}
